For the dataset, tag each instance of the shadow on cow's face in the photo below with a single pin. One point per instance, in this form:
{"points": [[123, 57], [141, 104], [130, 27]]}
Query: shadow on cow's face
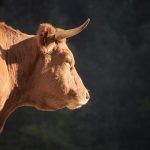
{"points": [[56, 83]]}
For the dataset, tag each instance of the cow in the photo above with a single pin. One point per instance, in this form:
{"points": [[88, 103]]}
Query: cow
{"points": [[39, 70]]}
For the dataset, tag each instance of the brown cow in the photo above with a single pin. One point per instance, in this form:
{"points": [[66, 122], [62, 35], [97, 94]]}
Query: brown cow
{"points": [[38, 70]]}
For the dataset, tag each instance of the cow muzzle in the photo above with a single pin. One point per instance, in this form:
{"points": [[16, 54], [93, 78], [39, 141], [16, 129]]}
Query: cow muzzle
{"points": [[78, 101]]}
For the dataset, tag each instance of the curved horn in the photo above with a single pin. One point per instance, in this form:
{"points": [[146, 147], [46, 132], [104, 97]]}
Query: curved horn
{"points": [[69, 33]]}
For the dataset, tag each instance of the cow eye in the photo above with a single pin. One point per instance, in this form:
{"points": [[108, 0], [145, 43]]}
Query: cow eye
{"points": [[68, 61]]}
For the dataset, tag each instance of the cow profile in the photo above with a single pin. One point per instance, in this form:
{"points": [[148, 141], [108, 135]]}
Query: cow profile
{"points": [[38, 70]]}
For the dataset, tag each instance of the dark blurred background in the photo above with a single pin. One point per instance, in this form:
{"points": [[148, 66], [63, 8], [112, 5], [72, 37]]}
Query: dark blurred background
{"points": [[113, 58]]}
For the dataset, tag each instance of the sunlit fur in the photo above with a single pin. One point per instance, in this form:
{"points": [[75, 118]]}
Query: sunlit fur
{"points": [[37, 70]]}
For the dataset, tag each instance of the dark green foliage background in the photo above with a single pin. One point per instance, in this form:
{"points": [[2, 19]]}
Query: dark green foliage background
{"points": [[113, 58]]}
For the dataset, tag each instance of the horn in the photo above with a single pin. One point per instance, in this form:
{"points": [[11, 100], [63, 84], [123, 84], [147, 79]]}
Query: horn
{"points": [[69, 33]]}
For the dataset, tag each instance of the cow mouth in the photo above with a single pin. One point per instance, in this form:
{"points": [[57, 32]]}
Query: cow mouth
{"points": [[53, 103], [74, 105]]}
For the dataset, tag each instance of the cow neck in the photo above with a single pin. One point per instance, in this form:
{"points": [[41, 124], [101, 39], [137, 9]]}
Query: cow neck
{"points": [[21, 59]]}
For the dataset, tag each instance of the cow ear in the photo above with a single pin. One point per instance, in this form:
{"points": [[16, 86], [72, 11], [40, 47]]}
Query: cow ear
{"points": [[46, 34]]}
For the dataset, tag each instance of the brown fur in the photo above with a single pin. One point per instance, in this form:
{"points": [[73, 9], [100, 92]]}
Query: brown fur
{"points": [[37, 71]]}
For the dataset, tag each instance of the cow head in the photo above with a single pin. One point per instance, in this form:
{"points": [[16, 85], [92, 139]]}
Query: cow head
{"points": [[55, 82]]}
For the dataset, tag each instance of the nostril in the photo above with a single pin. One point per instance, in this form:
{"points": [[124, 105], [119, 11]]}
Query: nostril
{"points": [[87, 95], [72, 93]]}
